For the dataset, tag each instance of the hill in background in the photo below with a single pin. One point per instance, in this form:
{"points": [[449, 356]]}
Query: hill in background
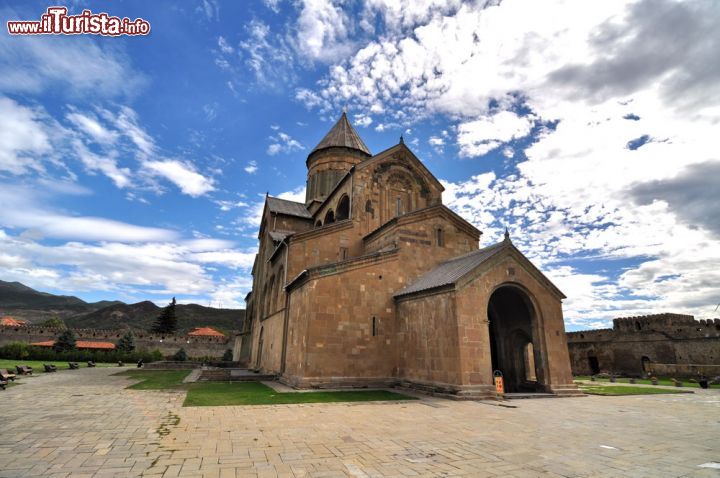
{"points": [[22, 302]]}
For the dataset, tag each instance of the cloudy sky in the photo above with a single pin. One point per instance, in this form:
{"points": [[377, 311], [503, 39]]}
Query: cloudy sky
{"points": [[134, 168]]}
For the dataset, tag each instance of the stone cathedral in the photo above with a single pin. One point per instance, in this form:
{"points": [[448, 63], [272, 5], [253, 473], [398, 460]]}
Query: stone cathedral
{"points": [[372, 281]]}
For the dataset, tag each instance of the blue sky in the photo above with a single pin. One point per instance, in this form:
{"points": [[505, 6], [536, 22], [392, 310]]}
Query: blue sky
{"points": [[134, 167]]}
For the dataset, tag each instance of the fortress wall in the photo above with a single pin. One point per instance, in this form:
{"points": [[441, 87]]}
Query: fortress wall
{"points": [[144, 340], [671, 339]]}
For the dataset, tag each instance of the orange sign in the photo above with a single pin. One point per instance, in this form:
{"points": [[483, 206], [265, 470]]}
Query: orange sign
{"points": [[499, 386]]}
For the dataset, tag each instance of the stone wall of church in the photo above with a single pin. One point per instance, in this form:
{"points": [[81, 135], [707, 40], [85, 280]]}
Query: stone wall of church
{"points": [[267, 353], [321, 246], [342, 328], [428, 341], [634, 344]]}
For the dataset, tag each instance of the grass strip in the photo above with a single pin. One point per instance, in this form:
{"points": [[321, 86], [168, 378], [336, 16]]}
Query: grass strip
{"points": [[209, 394], [666, 381], [157, 379], [618, 390]]}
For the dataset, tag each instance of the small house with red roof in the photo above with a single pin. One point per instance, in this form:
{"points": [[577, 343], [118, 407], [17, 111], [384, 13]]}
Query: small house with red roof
{"points": [[205, 332]]}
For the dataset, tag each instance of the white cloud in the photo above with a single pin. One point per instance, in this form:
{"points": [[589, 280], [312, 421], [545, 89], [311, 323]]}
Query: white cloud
{"points": [[251, 167], [183, 175], [90, 125], [230, 205], [482, 135], [273, 5], [23, 138], [283, 143], [75, 66], [20, 209], [106, 165], [225, 46], [362, 120], [323, 30], [267, 55]]}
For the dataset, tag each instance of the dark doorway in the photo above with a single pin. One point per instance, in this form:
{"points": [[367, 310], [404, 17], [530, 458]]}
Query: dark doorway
{"points": [[594, 365], [645, 364], [513, 349]]}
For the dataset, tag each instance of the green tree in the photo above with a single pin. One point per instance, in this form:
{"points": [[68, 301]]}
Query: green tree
{"points": [[126, 342], [228, 355], [55, 322], [180, 355], [65, 342], [166, 323]]}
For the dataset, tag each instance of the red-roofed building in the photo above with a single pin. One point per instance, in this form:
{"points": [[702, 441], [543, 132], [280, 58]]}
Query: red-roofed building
{"points": [[206, 332], [12, 322], [81, 344]]}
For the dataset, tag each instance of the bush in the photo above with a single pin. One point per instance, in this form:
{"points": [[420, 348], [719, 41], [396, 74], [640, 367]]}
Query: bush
{"points": [[23, 351], [228, 355], [180, 356]]}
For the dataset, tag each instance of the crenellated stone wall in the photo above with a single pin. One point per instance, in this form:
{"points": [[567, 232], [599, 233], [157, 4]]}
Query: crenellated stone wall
{"points": [[144, 340], [659, 343]]}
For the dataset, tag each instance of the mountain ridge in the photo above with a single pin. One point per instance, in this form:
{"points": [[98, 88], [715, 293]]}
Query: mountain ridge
{"points": [[22, 302]]}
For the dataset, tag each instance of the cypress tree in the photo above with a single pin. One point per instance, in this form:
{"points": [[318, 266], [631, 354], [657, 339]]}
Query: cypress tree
{"points": [[126, 342], [65, 341], [166, 323]]}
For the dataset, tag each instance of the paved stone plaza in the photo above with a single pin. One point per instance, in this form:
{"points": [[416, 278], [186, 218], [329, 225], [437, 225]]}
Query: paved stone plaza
{"points": [[85, 423]]}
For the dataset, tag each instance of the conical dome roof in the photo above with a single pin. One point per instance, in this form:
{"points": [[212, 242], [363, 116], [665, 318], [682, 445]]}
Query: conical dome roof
{"points": [[342, 135]]}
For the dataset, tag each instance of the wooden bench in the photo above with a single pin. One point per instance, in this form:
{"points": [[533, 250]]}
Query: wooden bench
{"points": [[6, 376], [49, 368], [73, 365], [23, 370]]}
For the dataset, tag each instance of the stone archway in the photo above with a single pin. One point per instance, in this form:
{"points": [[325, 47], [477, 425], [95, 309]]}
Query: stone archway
{"points": [[515, 349]]}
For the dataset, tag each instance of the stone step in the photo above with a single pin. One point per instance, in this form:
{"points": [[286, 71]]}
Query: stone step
{"points": [[516, 396]]}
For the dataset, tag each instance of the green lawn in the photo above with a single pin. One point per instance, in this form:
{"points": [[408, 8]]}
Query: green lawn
{"points": [[614, 390], [37, 365], [157, 379], [667, 381], [253, 393], [206, 394]]}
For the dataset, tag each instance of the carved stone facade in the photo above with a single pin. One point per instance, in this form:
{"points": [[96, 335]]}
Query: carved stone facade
{"points": [[373, 281], [660, 344]]}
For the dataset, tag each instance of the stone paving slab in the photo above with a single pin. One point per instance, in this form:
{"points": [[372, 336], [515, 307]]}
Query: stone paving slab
{"points": [[88, 424]]}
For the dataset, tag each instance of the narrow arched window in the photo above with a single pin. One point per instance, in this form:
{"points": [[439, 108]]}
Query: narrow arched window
{"points": [[329, 217], [440, 237], [318, 223], [343, 208], [398, 207]]}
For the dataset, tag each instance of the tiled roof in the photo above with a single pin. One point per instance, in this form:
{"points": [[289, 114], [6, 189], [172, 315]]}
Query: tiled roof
{"points": [[12, 322], [206, 332], [289, 208], [449, 272], [81, 344], [342, 135]]}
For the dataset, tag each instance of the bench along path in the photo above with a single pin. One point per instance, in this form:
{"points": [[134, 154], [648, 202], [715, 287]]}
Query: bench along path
{"points": [[80, 423], [84, 423]]}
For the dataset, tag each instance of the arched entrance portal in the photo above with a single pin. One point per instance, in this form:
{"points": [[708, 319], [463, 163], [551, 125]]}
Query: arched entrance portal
{"points": [[514, 349]]}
